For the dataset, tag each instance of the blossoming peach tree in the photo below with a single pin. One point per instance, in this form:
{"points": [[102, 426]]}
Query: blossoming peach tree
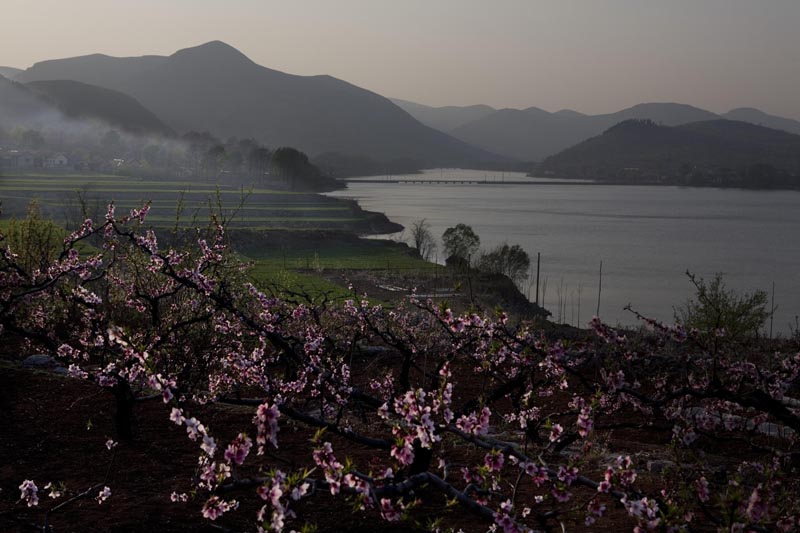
{"points": [[413, 406]]}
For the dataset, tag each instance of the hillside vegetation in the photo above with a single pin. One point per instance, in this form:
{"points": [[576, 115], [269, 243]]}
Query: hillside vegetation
{"points": [[720, 152], [80, 100], [50, 103]]}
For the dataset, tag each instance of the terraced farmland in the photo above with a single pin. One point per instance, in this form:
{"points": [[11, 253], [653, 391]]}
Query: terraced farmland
{"points": [[63, 197], [292, 240]]}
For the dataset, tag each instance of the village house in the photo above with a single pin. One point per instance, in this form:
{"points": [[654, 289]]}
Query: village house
{"points": [[15, 159], [57, 161]]}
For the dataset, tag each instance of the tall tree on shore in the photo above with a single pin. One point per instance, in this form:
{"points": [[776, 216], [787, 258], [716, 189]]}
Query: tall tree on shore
{"points": [[422, 238], [511, 261], [460, 242]]}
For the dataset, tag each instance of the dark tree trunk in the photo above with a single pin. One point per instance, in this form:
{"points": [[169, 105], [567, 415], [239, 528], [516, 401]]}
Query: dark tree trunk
{"points": [[422, 459], [123, 417]]}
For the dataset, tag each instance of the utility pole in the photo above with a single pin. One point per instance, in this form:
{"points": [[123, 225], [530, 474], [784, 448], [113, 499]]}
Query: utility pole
{"points": [[599, 288], [772, 310], [538, 265], [469, 278]]}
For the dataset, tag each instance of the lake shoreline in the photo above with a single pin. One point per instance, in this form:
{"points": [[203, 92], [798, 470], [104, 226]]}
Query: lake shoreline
{"points": [[647, 238]]}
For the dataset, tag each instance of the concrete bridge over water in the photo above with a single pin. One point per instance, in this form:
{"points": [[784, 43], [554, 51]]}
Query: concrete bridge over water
{"points": [[421, 181]]}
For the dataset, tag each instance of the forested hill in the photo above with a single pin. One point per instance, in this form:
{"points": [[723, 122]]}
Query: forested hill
{"points": [[18, 104], [715, 152], [9, 72], [80, 100], [51, 102]]}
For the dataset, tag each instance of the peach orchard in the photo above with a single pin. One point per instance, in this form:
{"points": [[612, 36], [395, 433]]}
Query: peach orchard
{"points": [[504, 420]]}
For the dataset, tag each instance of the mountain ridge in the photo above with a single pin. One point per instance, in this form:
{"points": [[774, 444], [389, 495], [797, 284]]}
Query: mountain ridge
{"points": [[80, 100], [445, 118], [9, 72], [532, 134], [756, 116], [38, 103], [214, 87]]}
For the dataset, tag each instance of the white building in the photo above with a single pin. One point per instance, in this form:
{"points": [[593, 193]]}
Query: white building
{"points": [[56, 161]]}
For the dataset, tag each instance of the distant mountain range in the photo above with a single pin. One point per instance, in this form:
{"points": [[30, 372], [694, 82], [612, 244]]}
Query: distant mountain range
{"points": [[48, 102], [216, 88], [346, 129], [533, 134], [754, 116], [724, 152], [445, 118]]}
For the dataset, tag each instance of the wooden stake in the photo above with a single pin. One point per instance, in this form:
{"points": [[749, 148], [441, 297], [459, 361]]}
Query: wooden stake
{"points": [[599, 288]]}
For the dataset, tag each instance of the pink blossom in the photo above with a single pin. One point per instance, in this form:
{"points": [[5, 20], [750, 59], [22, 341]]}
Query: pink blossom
{"points": [[29, 493], [103, 495], [701, 485], [561, 495], [209, 445], [237, 451], [555, 432], [756, 505], [55, 492], [176, 416], [300, 491], [266, 421], [74, 371], [506, 522], [389, 512], [585, 422], [215, 507], [493, 461], [404, 453]]}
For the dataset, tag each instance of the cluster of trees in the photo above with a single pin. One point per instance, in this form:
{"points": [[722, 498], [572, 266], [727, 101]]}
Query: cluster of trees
{"points": [[24, 137], [461, 247], [209, 157], [470, 410]]}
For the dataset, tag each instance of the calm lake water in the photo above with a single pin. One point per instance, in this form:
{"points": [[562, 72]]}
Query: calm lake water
{"points": [[646, 237]]}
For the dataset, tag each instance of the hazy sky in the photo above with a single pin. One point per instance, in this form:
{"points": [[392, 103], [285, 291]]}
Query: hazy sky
{"points": [[590, 55]]}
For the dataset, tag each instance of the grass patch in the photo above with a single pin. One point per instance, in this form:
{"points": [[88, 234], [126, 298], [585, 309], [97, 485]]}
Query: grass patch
{"points": [[355, 254], [290, 284]]}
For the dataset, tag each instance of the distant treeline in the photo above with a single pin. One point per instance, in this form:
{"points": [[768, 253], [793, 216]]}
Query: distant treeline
{"points": [[195, 154]]}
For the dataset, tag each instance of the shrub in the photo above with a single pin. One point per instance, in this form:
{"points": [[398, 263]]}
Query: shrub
{"points": [[716, 311]]}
